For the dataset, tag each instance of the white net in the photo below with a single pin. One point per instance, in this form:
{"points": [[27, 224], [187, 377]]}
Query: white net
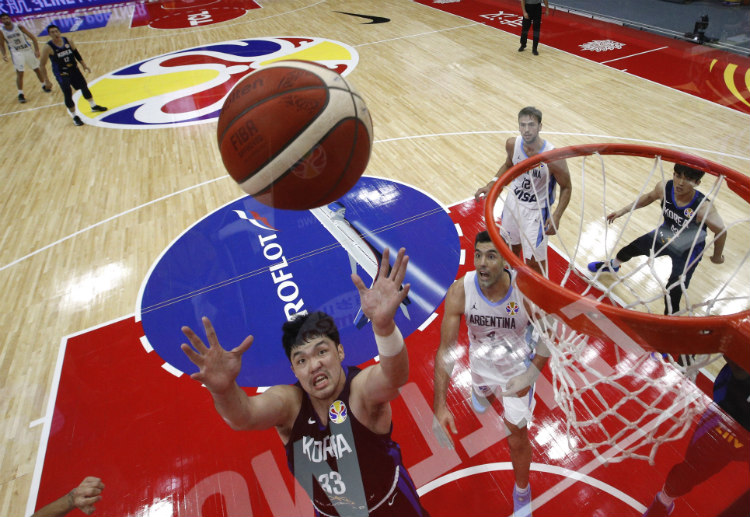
{"points": [[618, 399]]}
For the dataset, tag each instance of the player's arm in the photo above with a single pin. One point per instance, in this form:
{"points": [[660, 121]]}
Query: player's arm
{"points": [[378, 384], [2, 47], [218, 371], [523, 9], [32, 38], [83, 497], [715, 223], [44, 57], [559, 170], [509, 145], [445, 359], [643, 200], [77, 55], [544, 333]]}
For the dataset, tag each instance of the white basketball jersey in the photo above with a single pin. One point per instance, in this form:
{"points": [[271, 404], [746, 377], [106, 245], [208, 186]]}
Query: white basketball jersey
{"points": [[17, 40], [497, 330], [534, 188]]}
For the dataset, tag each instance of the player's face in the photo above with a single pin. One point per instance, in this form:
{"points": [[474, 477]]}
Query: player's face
{"points": [[54, 33], [488, 263], [317, 365], [529, 128], [683, 185], [5, 20]]}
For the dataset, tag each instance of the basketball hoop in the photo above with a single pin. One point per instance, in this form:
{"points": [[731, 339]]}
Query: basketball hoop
{"points": [[728, 334], [653, 401]]}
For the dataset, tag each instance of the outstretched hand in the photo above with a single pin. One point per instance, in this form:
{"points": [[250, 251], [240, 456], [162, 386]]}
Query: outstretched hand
{"points": [[381, 301], [218, 368]]}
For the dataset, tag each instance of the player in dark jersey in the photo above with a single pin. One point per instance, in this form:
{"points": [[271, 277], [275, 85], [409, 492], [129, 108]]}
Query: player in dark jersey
{"points": [[335, 423], [64, 54], [682, 235], [715, 443]]}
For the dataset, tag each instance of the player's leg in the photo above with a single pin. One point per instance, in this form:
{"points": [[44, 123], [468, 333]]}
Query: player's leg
{"points": [[19, 85], [639, 247], [536, 19], [510, 229], [79, 83], [525, 26], [517, 413], [533, 238], [67, 91]]}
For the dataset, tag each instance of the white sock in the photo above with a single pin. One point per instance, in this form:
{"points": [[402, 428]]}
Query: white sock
{"points": [[664, 498], [91, 102], [20, 92], [616, 263], [71, 113], [523, 491]]}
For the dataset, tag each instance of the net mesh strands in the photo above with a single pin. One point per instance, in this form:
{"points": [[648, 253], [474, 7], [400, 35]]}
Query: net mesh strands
{"points": [[622, 371]]}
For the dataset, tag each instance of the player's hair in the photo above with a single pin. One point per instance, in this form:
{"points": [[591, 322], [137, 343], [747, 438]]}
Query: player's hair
{"points": [[688, 172], [4, 14], [531, 111], [483, 236], [52, 26], [305, 327]]}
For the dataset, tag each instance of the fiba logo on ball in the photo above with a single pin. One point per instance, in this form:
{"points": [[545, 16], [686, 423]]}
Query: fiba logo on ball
{"points": [[312, 165], [337, 412], [295, 135]]}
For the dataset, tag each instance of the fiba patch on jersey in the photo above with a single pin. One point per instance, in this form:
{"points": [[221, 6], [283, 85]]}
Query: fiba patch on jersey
{"points": [[189, 86], [511, 308], [337, 412]]}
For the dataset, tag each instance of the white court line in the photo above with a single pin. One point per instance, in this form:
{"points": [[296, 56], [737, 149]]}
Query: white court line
{"points": [[385, 140], [116, 216], [633, 55], [47, 419]]}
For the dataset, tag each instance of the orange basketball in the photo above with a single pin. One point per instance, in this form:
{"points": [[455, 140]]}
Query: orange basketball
{"points": [[295, 135]]}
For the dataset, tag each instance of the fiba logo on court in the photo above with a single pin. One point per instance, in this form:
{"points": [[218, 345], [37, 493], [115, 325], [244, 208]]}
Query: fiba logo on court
{"points": [[190, 86], [337, 412]]}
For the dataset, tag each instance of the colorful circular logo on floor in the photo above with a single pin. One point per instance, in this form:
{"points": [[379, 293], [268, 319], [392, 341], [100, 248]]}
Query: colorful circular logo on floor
{"points": [[249, 268], [189, 86]]}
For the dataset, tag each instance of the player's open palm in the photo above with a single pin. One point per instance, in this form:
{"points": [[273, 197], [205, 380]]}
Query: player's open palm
{"points": [[218, 368], [380, 302]]}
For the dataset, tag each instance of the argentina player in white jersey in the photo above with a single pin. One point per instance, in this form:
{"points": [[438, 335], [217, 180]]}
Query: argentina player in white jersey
{"points": [[527, 218], [504, 364]]}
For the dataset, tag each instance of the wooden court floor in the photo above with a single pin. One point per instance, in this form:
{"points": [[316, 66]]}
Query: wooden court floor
{"points": [[87, 210]]}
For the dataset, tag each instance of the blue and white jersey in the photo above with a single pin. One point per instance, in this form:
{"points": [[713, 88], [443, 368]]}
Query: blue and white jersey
{"points": [[534, 188], [17, 40], [497, 330]]}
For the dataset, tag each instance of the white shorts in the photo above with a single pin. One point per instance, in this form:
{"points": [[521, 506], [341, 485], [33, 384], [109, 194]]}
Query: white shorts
{"points": [[24, 59], [525, 226], [516, 410]]}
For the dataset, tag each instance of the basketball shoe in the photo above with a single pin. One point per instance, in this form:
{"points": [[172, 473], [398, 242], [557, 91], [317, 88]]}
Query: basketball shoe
{"points": [[658, 509], [96, 107], [21, 98], [47, 90], [521, 502], [77, 121], [603, 267]]}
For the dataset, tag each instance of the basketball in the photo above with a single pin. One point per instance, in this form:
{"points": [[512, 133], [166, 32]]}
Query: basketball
{"points": [[295, 135]]}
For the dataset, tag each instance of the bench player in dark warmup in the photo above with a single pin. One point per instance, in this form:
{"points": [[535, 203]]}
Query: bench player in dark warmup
{"points": [[682, 235], [335, 423], [64, 54]]}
